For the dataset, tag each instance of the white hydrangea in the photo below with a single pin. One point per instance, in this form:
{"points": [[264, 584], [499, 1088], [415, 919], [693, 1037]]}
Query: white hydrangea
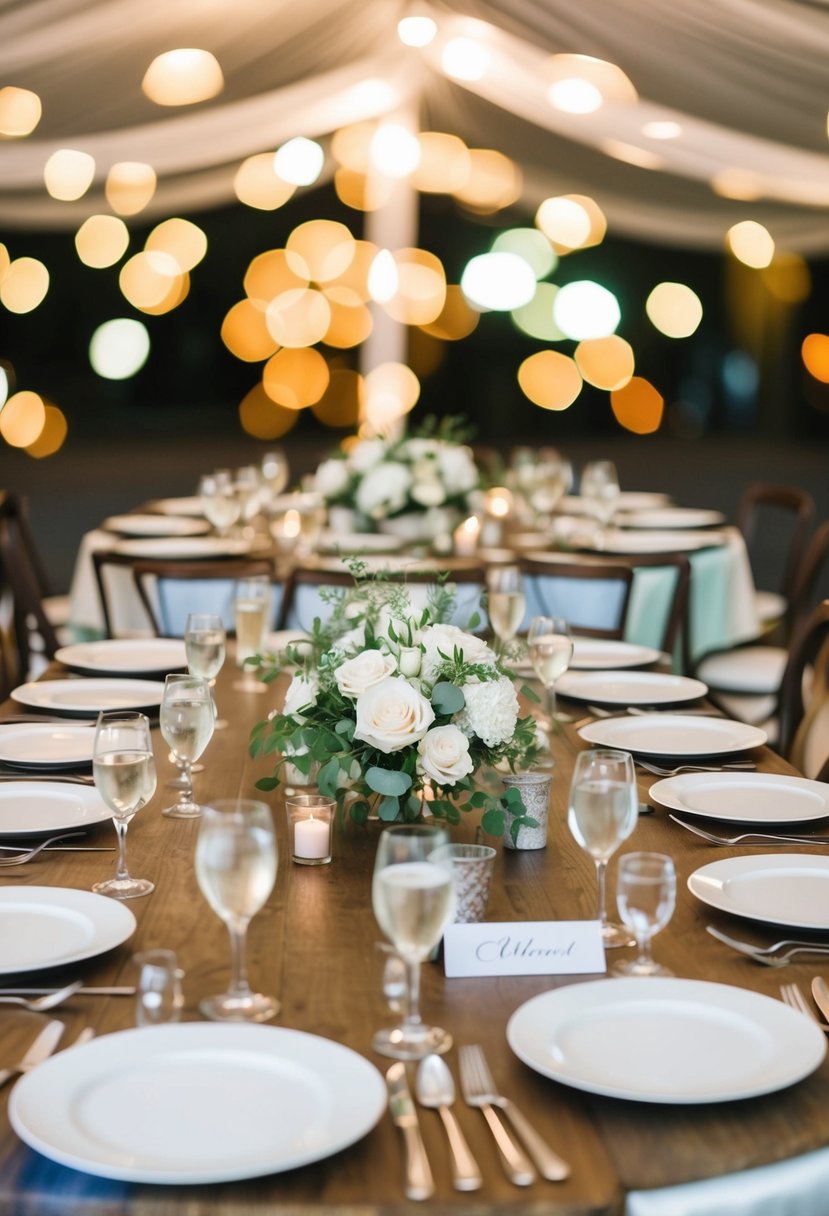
{"points": [[442, 640], [365, 454], [491, 711], [331, 478], [457, 468], [383, 490]]}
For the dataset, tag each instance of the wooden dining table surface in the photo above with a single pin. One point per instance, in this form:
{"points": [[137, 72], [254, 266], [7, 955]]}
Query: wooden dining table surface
{"points": [[313, 946]]}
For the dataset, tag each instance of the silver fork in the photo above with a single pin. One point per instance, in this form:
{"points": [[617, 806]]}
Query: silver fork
{"points": [[479, 1090], [794, 998], [763, 837], [769, 955], [20, 859], [42, 1003], [731, 766]]}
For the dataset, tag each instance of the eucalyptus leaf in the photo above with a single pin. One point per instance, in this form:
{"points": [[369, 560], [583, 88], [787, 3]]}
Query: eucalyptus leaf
{"points": [[327, 778], [387, 781], [389, 809], [447, 698]]}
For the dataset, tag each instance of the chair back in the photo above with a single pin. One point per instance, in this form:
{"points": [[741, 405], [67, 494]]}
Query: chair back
{"points": [[804, 716], [24, 577], [779, 517], [592, 596]]}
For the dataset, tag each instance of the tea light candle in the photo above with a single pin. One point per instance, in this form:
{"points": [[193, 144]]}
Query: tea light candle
{"points": [[310, 819], [311, 838], [466, 536]]}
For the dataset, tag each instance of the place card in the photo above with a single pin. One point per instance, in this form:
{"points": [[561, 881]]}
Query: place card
{"points": [[543, 947]]}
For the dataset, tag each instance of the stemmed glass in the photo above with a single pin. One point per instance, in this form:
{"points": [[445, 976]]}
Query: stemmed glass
{"points": [[186, 722], [219, 502], [124, 771], [247, 488], [646, 895], [204, 644], [505, 602], [551, 649], [236, 858], [603, 809], [413, 899], [274, 472], [600, 487]]}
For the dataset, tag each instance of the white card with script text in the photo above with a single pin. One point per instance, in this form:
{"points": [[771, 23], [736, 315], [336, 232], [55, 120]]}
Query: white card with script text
{"points": [[544, 947]]}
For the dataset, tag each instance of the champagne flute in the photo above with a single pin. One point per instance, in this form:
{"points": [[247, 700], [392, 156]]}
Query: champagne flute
{"points": [[124, 771], [251, 607], [413, 899], [505, 602], [603, 809], [219, 503], [236, 858], [551, 649], [204, 644], [186, 722], [646, 895]]}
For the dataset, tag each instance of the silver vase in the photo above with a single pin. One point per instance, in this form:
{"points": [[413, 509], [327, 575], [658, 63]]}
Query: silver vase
{"points": [[535, 794]]}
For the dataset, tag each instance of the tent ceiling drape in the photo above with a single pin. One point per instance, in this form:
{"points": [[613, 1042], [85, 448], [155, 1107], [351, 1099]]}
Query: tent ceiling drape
{"points": [[745, 79]]}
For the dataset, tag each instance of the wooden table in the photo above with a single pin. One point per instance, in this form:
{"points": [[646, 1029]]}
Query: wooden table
{"points": [[313, 946]]}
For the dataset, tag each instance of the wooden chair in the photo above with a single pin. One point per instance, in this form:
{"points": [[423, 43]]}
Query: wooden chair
{"points": [[803, 699], [34, 633], [169, 590], [768, 512], [592, 596]]}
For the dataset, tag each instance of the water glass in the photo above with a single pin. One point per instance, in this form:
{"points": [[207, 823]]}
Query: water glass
{"points": [[251, 609], [551, 649], [602, 813], [187, 722], [219, 502], [159, 995], [646, 895], [205, 643], [236, 859], [600, 489], [472, 866], [505, 602], [124, 773]]}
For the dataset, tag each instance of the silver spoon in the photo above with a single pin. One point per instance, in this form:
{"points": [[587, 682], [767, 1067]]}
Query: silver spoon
{"points": [[41, 1003], [435, 1088]]}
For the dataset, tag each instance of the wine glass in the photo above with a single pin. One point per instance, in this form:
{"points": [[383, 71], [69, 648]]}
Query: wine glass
{"points": [[204, 644], [251, 608], [186, 722], [124, 771], [505, 602], [646, 895], [551, 649], [274, 472], [413, 899], [247, 488], [219, 503], [600, 487], [236, 859], [603, 809]]}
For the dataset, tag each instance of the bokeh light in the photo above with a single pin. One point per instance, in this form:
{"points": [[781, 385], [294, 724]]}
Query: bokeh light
{"points": [[815, 354], [351, 146], [529, 244], [362, 192], [382, 277], [356, 274], [130, 186], [24, 285], [751, 244], [299, 161], [5, 259], [341, 405], [51, 438], [638, 406], [20, 111], [606, 363], [102, 241], [183, 77], [321, 250], [5, 382], [68, 174], [416, 31], [389, 392], [444, 166], [245, 332], [550, 379], [150, 279], [298, 317], [536, 317], [575, 96], [494, 182], [585, 309], [257, 184], [674, 309], [295, 378], [263, 418], [351, 321], [22, 419], [498, 281], [394, 150], [465, 59], [456, 319], [788, 278], [182, 240], [579, 84], [564, 222], [119, 348], [421, 287], [662, 129]]}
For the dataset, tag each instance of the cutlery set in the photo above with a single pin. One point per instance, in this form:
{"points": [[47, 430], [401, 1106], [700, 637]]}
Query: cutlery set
{"points": [[792, 996], [42, 1047], [435, 1089], [761, 838], [776, 955]]}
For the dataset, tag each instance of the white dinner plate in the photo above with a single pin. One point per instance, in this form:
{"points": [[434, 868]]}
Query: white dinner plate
{"points": [[192, 505], [184, 547], [45, 746], [744, 797], [29, 808], [89, 696], [601, 654], [197, 1103], [615, 540], [358, 542], [671, 517], [629, 687], [628, 500], [125, 656], [674, 735], [664, 1040], [50, 926], [789, 889], [155, 525]]}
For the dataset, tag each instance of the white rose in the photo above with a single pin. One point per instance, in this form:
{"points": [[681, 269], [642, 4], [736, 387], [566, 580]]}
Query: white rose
{"points": [[357, 675], [331, 478], [366, 454], [428, 493], [383, 490], [392, 715], [302, 691], [443, 755], [408, 661], [441, 640]]}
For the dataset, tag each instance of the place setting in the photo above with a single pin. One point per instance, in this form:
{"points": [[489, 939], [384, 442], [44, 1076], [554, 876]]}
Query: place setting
{"points": [[161, 525], [124, 656]]}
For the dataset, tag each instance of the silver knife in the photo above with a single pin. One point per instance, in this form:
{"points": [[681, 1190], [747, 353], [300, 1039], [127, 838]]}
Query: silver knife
{"points": [[821, 994], [419, 1181], [43, 1046]]}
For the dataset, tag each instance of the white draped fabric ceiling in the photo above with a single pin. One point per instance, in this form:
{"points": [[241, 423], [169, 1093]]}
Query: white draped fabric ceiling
{"points": [[746, 80]]}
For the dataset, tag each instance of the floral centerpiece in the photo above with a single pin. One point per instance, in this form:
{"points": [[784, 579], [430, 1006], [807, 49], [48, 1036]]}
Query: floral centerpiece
{"points": [[403, 713], [417, 486]]}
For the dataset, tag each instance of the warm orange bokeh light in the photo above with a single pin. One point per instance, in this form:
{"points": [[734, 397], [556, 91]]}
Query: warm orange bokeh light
{"points": [[351, 146], [51, 438], [68, 174], [184, 241], [320, 250], [183, 77], [245, 332], [788, 278], [24, 285], [257, 183], [130, 185], [494, 182], [299, 317], [638, 406], [295, 378], [815, 353], [444, 166], [550, 380], [456, 320], [20, 111], [263, 418], [22, 419], [341, 403], [605, 362], [421, 287], [269, 275], [149, 279], [351, 321], [102, 241]]}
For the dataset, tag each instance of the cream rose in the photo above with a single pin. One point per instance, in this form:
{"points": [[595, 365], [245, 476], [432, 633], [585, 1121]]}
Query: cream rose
{"points": [[443, 755], [366, 669], [392, 715], [302, 692]]}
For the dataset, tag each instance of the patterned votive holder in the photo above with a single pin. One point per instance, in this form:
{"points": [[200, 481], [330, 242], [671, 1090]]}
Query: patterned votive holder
{"points": [[310, 823], [535, 794], [472, 866]]}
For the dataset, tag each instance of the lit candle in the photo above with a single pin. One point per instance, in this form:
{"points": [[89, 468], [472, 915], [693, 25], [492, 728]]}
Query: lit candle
{"points": [[311, 838], [466, 536]]}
